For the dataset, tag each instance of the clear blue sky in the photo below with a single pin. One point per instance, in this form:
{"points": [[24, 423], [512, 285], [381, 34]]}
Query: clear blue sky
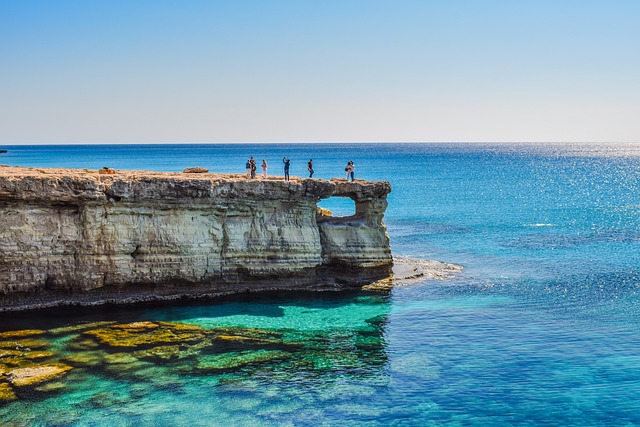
{"points": [[97, 71]]}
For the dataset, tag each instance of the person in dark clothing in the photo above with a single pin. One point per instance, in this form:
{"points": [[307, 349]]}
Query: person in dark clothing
{"points": [[350, 170], [253, 167], [287, 163], [310, 168]]}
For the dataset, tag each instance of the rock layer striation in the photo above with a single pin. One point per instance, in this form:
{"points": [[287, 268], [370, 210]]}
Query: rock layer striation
{"points": [[76, 231]]}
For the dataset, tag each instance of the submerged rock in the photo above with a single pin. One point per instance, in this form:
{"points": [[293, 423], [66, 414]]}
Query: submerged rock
{"points": [[35, 355], [120, 359], [23, 353], [83, 344], [15, 362], [51, 387], [23, 344], [231, 361], [25, 377], [6, 393], [137, 325], [81, 327], [246, 336], [86, 358], [146, 334], [6, 352], [21, 333], [161, 353]]}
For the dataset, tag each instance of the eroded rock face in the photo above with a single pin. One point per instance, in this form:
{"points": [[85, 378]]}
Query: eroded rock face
{"points": [[360, 240], [78, 230]]}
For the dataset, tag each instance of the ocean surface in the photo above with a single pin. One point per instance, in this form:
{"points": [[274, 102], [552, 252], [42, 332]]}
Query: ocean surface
{"points": [[541, 327]]}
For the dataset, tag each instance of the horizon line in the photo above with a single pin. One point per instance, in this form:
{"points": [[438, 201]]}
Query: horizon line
{"points": [[320, 142]]}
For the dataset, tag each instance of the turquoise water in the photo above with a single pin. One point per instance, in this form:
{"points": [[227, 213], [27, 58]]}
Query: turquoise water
{"points": [[539, 329]]}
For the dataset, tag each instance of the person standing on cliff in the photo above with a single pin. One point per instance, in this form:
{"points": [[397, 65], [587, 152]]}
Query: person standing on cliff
{"points": [[310, 168], [253, 167], [248, 167], [352, 170], [287, 163], [264, 168]]}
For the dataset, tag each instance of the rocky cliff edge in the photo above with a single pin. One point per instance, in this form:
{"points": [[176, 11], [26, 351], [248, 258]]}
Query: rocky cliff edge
{"points": [[69, 235]]}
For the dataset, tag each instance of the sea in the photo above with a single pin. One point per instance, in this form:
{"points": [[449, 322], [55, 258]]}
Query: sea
{"points": [[540, 328]]}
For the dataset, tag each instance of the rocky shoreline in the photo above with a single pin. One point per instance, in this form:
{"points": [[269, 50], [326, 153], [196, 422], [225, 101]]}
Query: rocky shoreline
{"points": [[404, 272]]}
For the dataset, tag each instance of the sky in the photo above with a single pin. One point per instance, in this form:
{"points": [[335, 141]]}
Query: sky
{"points": [[159, 71]]}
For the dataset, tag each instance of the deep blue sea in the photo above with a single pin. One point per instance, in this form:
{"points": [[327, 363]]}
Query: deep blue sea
{"points": [[541, 327]]}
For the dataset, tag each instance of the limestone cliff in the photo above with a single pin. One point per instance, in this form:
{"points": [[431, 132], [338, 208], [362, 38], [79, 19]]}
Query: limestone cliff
{"points": [[74, 230]]}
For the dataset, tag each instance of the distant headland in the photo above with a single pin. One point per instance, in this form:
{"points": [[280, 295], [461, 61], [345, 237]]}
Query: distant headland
{"points": [[74, 236]]}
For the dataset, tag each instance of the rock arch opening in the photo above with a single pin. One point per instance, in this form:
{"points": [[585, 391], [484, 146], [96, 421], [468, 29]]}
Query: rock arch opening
{"points": [[336, 207]]}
